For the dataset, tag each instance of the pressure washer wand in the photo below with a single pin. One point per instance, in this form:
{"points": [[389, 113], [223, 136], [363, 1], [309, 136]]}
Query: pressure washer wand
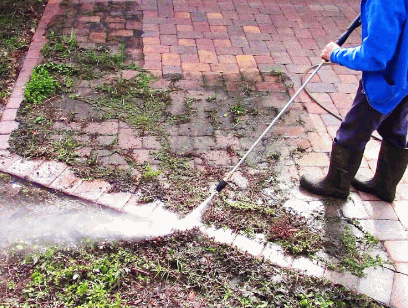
{"points": [[223, 182], [355, 24]]}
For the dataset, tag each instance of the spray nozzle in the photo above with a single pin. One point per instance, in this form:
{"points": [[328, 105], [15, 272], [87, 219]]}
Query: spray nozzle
{"points": [[221, 185]]}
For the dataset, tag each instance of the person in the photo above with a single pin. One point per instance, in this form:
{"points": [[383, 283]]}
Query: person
{"points": [[381, 103]]}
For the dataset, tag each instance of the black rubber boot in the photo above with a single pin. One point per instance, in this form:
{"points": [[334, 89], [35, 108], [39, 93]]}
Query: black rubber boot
{"points": [[343, 167], [391, 165]]}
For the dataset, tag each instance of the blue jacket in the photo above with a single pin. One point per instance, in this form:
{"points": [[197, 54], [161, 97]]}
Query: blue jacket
{"points": [[383, 53]]}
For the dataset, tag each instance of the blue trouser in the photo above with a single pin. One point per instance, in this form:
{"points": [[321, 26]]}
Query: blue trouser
{"points": [[361, 120]]}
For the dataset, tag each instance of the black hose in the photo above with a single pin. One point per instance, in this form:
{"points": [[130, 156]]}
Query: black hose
{"points": [[321, 105]]}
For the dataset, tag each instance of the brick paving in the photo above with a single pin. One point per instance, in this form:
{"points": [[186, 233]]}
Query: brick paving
{"points": [[203, 42]]}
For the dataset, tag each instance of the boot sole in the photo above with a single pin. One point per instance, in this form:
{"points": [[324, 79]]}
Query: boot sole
{"points": [[336, 194], [371, 190]]}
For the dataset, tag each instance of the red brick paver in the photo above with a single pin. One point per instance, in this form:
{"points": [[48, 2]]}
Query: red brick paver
{"points": [[399, 297], [91, 190], [47, 172], [398, 250]]}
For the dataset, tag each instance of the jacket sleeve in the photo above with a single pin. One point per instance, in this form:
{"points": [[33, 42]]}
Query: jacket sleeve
{"points": [[384, 22]]}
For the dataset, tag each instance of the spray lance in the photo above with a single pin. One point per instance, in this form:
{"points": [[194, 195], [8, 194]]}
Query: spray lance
{"points": [[355, 24]]}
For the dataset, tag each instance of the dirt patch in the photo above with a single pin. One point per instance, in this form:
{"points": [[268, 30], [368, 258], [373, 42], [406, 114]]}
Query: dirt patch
{"points": [[73, 108]]}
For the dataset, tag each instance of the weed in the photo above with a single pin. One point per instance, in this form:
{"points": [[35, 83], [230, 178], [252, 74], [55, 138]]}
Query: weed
{"points": [[248, 232], [92, 160], [40, 86], [75, 96], [72, 41], [312, 300], [300, 122], [352, 251], [247, 89], [102, 59], [134, 102], [294, 235], [68, 82], [241, 110], [212, 98], [87, 64], [188, 112], [275, 156], [175, 78], [283, 77], [39, 120], [4, 176], [371, 239], [237, 109], [275, 72], [150, 174], [60, 68], [65, 150], [171, 162], [91, 285], [212, 115]]}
